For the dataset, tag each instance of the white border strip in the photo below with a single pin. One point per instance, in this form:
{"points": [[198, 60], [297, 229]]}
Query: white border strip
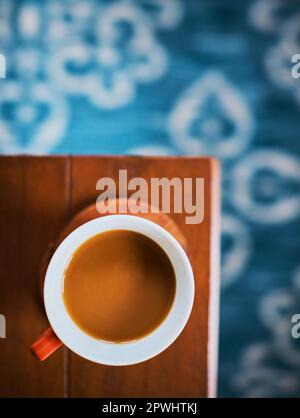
{"points": [[214, 281]]}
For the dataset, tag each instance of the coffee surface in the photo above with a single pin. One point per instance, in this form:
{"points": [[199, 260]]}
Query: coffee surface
{"points": [[119, 286]]}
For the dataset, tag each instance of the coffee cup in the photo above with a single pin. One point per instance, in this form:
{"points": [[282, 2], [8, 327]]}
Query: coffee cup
{"points": [[64, 330]]}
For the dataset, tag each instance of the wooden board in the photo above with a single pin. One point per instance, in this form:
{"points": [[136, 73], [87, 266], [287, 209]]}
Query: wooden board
{"points": [[39, 195], [31, 191]]}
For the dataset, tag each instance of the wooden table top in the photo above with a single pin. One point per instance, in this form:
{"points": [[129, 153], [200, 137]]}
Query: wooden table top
{"points": [[39, 196]]}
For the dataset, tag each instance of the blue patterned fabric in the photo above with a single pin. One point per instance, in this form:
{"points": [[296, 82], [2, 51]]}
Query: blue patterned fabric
{"points": [[181, 77]]}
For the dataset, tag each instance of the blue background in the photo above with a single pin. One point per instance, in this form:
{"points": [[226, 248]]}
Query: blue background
{"points": [[163, 77]]}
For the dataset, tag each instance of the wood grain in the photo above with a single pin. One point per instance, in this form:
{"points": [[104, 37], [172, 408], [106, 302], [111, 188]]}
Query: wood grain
{"points": [[40, 195], [33, 207], [182, 369]]}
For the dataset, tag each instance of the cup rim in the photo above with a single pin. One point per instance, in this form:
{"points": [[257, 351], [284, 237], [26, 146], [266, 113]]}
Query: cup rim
{"points": [[133, 352]]}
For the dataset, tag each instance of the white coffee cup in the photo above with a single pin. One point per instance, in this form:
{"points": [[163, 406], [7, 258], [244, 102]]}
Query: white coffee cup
{"points": [[118, 354]]}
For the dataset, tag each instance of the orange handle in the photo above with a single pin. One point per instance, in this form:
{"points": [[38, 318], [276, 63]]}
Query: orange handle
{"points": [[46, 345]]}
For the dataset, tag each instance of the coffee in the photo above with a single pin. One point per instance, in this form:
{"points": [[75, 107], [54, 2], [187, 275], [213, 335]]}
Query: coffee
{"points": [[119, 286]]}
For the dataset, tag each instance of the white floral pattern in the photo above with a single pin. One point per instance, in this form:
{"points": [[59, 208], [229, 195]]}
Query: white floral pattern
{"points": [[164, 77], [97, 50]]}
